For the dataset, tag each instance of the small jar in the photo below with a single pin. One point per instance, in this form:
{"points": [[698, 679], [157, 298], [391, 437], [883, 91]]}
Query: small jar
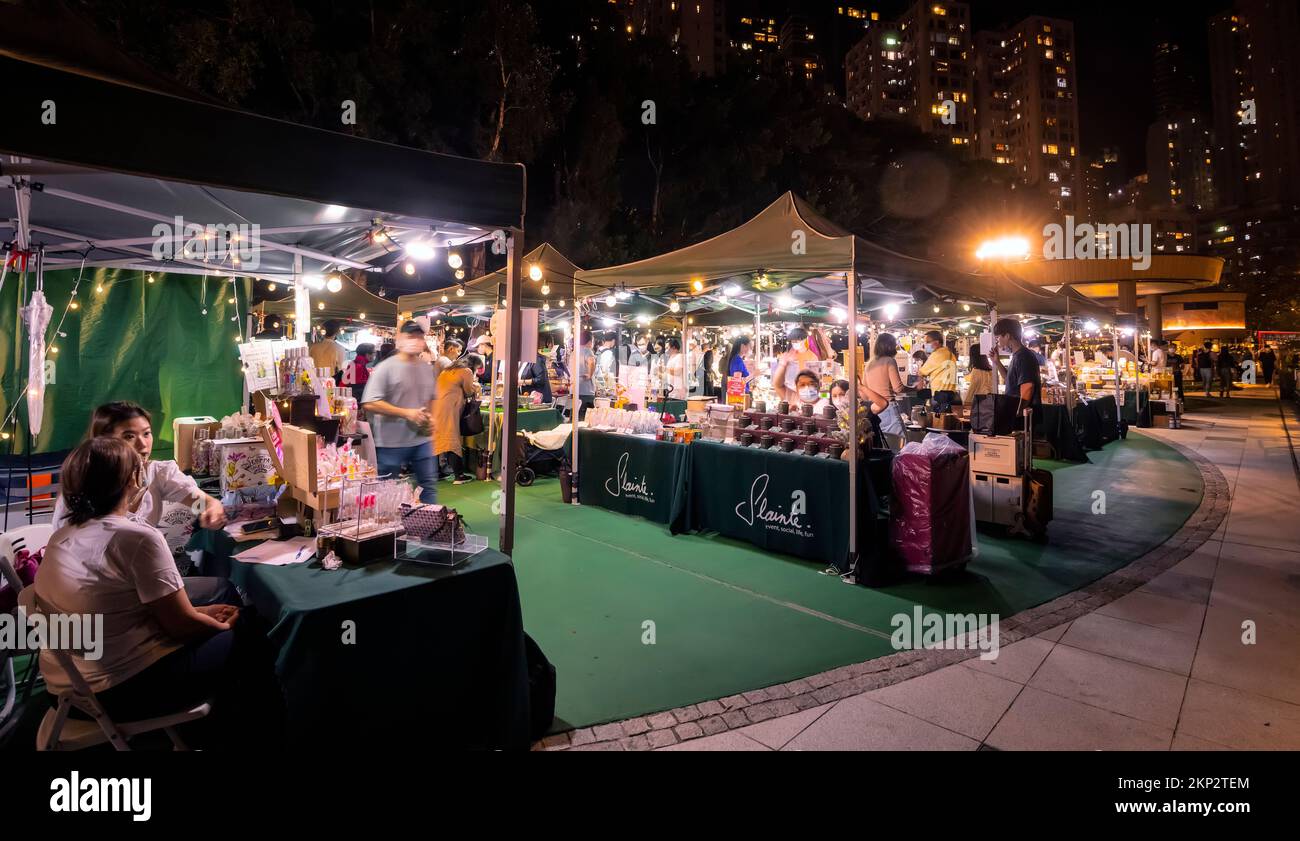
{"points": [[787, 445], [787, 424], [807, 410], [783, 408], [767, 441], [746, 439], [810, 448]]}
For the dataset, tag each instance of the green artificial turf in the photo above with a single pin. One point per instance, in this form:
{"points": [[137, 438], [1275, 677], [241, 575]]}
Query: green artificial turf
{"points": [[729, 617]]}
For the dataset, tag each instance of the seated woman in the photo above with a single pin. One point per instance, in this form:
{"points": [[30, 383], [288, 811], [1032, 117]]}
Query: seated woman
{"points": [[158, 652], [162, 481]]}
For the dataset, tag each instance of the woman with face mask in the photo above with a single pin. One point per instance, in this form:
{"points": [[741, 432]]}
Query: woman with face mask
{"points": [[839, 398], [792, 363], [807, 389]]}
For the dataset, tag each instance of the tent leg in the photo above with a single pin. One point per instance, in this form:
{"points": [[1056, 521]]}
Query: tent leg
{"points": [[851, 562], [575, 399], [510, 396]]}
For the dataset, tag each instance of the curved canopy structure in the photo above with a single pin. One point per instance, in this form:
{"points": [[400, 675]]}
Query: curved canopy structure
{"points": [[1100, 278], [558, 273], [351, 303]]}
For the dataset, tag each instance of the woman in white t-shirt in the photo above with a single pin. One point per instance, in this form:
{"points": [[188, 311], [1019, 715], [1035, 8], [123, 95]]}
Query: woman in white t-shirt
{"points": [[164, 481], [156, 652]]}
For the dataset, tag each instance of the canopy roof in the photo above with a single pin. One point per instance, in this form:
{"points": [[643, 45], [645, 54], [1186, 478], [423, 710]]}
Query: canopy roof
{"points": [[352, 302], [127, 156], [558, 273], [787, 243]]}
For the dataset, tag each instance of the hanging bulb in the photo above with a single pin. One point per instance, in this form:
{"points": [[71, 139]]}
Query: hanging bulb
{"points": [[675, 307], [460, 292], [203, 311], [230, 300], [362, 316], [453, 260], [72, 305], [151, 278], [100, 289], [546, 289], [334, 284], [966, 307], [460, 274], [444, 299], [561, 302], [936, 308], [54, 349], [270, 287], [534, 272], [321, 305], [409, 268], [545, 306], [698, 285]]}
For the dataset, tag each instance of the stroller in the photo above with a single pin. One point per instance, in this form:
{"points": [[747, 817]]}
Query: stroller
{"points": [[535, 460]]}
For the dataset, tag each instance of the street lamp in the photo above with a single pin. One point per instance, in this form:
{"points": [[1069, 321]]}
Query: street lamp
{"points": [[1003, 248]]}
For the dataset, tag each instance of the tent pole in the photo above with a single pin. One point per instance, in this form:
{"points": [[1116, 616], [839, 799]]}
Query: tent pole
{"points": [[301, 302], [510, 395], [851, 277], [686, 359], [993, 319], [1119, 385], [575, 399], [1067, 364]]}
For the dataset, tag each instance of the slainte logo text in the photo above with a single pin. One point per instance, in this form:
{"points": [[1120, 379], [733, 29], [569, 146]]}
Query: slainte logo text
{"points": [[755, 509], [620, 485]]}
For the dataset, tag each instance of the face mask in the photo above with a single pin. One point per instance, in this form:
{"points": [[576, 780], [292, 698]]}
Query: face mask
{"points": [[412, 345], [929, 348], [842, 403], [808, 394]]}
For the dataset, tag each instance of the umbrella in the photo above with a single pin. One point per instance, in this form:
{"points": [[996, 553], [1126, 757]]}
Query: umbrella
{"points": [[36, 315]]}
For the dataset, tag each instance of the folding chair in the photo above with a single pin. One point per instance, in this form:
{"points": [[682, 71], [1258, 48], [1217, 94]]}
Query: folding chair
{"points": [[60, 732], [33, 539]]}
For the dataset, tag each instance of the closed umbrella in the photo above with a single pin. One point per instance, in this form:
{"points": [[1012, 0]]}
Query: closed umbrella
{"points": [[36, 315]]}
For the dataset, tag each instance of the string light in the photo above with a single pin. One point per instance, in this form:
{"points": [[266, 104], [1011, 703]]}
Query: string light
{"points": [[270, 286], [698, 285], [561, 302], [232, 300], [334, 284], [611, 299], [453, 260], [460, 291], [151, 278], [99, 289], [460, 274], [546, 289], [674, 306], [362, 316], [72, 305], [321, 305], [444, 299], [534, 272], [409, 268]]}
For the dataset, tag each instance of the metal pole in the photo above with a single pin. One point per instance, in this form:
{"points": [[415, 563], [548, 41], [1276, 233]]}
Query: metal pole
{"points": [[851, 277], [575, 400], [1066, 363], [686, 359], [993, 319], [1119, 385], [510, 397]]}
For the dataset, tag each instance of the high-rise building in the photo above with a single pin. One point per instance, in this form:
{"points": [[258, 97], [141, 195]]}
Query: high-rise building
{"points": [[1255, 87], [918, 69], [755, 43], [1027, 112], [1179, 155], [1172, 79], [800, 53], [697, 30]]}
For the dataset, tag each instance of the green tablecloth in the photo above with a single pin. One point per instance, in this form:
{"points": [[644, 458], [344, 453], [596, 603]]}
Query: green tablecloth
{"points": [[784, 502], [676, 408], [437, 656], [630, 475]]}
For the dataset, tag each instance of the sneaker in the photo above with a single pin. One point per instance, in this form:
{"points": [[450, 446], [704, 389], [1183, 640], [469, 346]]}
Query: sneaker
{"points": [[461, 480]]}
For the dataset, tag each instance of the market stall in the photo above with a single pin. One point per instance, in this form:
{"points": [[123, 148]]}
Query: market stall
{"points": [[230, 199]]}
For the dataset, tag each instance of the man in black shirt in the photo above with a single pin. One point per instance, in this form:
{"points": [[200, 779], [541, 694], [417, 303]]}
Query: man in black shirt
{"points": [[1022, 379]]}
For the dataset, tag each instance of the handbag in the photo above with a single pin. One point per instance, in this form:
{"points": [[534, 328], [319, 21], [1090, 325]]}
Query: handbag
{"points": [[471, 419]]}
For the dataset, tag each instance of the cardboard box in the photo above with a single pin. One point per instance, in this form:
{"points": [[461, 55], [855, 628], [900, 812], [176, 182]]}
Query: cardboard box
{"points": [[183, 434]]}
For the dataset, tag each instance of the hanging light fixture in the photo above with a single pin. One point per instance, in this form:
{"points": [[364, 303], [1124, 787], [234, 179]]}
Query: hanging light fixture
{"points": [[334, 284], [460, 291], [453, 260], [444, 298], [611, 299], [535, 272], [697, 285], [546, 289], [460, 274], [674, 306], [409, 268]]}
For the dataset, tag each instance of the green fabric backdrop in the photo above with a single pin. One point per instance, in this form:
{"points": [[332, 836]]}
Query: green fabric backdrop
{"points": [[140, 341]]}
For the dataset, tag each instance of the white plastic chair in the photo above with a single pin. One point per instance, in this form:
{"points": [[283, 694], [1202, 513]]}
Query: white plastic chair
{"points": [[33, 539], [60, 732]]}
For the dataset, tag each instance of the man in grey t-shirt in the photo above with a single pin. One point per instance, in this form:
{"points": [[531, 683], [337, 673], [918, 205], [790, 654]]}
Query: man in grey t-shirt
{"points": [[399, 401]]}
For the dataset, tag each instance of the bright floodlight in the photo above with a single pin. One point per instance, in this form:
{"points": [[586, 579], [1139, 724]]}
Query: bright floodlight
{"points": [[534, 272], [786, 302], [891, 311], [608, 322], [419, 250], [314, 281], [611, 300], [1003, 248], [674, 306], [1090, 326], [839, 313]]}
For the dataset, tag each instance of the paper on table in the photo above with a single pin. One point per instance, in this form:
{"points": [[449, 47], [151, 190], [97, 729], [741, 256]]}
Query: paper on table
{"points": [[280, 552]]}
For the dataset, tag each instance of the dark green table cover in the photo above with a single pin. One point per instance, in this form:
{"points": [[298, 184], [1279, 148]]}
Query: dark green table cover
{"points": [[783, 502], [1052, 422], [628, 474], [676, 408], [437, 658]]}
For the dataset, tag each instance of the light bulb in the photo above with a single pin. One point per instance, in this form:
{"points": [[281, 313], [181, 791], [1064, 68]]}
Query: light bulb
{"points": [[409, 267], [270, 287], [460, 274], [611, 300], [966, 307], [731, 289], [698, 285], [54, 349], [546, 289], [334, 284], [361, 315], [151, 278], [936, 308], [460, 292], [674, 306], [230, 300], [453, 260], [444, 299], [545, 306], [100, 288], [73, 305], [561, 302], [321, 305], [534, 272]]}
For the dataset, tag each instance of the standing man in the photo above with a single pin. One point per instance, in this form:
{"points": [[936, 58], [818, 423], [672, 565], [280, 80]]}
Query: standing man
{"points": [[639, 357], [399, 400], [1267, 360], [533, 377], [328, 353], [940, 369], [1207, 363], [1022, 378]]}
